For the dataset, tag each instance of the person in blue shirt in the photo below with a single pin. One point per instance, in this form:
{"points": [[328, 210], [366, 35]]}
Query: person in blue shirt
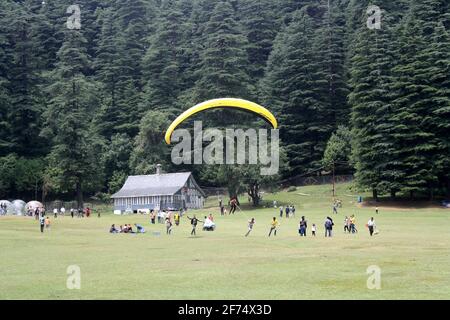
{"points": [[140, 229]]}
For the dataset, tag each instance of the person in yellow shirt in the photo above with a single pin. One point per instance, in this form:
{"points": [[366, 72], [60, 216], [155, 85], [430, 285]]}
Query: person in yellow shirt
{"points": [[176, 218], [273, 226]]}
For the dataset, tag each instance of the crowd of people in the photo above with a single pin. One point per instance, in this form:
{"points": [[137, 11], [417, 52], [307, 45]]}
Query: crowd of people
{"points": [[170, 218], [289, 210], [127, 228]]}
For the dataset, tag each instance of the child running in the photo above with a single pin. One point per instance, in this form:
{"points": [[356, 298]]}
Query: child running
{"points": [[47, 223], [273, 226], [251, 223]]}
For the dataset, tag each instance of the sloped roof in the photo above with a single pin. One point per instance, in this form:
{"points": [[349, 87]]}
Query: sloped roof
{"points": [[154, 185]]}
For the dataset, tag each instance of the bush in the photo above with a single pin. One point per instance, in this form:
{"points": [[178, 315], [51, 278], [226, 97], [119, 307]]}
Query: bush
{"points": [[292, 189]]}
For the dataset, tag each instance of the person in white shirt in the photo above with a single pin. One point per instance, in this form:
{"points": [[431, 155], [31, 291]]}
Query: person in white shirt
{"points": [[63, 210], [208, 225], [55, 212], [371, 226]]}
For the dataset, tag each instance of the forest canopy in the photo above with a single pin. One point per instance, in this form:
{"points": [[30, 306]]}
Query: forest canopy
{"points": [[83, 107]]}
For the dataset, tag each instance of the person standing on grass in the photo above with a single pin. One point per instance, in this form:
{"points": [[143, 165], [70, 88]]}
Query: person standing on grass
{"points": [[376, 210], [55, 213], [303, 225], [251, 223], [335, 208], [176, 219], [346, 225], [313, 230], [42, 222], [329, 227], [371, 226], [287, 211], [353, 224], [194, 222], [273, 226], [71, 212], [152, 216], [47, 223], [281, 211]]}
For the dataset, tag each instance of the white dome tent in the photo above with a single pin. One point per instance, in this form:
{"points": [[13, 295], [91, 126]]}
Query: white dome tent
{"points": [[9, 207], [19, 207], [32, 205]]}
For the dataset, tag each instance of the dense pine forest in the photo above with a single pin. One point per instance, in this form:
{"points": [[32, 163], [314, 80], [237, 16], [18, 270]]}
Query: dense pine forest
{"points": [[83, 107]]}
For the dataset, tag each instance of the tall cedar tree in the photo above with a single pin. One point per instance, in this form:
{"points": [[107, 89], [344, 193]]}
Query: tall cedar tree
{"points": [[68, 120], [374, 150]]}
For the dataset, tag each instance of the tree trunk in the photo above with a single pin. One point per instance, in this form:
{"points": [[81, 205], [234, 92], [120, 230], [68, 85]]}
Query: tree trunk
{"points": [[79, 194], [253, 192], [393, 194], [375, 194]]}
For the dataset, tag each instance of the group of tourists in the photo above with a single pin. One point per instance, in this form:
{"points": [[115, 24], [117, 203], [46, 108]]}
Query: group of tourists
{"points": [[350, 224], [289, 210], [127, 228], [303, 226]]}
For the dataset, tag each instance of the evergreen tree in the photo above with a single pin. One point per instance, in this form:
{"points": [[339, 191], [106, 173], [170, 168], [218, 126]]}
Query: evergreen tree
{"points": [[68, 121], [163, 62], [261, 27], [222, 71], [374, 150], [417, 140], [290, 87]]}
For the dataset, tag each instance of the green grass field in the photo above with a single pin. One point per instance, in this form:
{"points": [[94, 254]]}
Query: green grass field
{"points": [[412, 250]]}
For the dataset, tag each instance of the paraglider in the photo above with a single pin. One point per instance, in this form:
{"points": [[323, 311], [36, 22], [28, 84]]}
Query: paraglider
{"points": [[222, 103]]}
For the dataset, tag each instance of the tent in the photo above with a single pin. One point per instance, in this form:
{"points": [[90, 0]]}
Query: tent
{"points": [[32, 205], [19, 207], [9, 207]]}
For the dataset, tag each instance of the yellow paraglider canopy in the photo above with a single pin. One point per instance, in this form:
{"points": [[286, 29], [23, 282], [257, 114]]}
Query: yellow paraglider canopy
{"points": [[222, 103]]}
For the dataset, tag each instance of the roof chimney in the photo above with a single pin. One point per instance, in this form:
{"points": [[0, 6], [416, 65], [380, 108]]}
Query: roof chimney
{"points": [[158, 169]]}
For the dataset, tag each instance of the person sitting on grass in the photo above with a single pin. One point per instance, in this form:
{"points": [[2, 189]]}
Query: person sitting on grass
{"points": [[139, 228], [113, 229], [208, 225]]}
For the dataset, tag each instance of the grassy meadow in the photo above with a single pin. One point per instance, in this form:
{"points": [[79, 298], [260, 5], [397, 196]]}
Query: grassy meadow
{"points": [[412, 250]]}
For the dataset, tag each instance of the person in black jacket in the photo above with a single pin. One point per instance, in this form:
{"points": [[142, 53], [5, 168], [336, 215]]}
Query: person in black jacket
{"points": [[194, 222]]}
